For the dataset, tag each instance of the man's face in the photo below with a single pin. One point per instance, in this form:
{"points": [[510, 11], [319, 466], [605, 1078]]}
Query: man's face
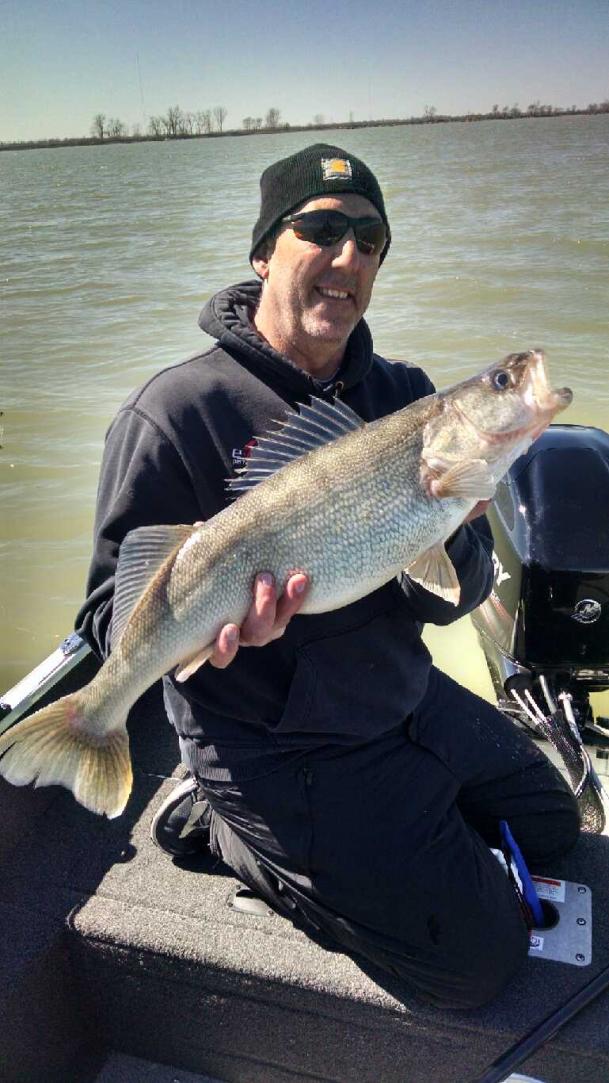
{"points": [[313, 296]]}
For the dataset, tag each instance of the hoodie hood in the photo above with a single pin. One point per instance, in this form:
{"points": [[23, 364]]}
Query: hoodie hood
{"points": [[228, 317]]}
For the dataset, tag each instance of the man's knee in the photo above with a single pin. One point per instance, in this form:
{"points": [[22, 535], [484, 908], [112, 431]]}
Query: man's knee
{"points": [[481, 968], [550, 829]]}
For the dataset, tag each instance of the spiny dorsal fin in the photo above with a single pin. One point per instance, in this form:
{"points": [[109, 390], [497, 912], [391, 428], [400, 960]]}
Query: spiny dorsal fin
{"points": [[309, 427], [141, 554]]}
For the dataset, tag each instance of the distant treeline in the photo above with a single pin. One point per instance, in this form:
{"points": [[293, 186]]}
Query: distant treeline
{"points": [[209, 123]]}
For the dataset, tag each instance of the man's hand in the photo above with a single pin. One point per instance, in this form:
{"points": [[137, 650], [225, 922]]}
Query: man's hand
{"points": [[266, 620]]}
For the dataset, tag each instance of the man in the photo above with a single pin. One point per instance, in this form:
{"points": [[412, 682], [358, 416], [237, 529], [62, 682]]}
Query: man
{"points": [[341, 776]]}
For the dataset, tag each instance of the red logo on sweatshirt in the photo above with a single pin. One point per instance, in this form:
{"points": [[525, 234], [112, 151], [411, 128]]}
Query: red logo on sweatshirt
{"points": [[241, 455]]}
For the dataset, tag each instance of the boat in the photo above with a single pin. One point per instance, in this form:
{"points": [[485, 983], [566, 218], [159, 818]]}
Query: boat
{"points": [[120, 965]]}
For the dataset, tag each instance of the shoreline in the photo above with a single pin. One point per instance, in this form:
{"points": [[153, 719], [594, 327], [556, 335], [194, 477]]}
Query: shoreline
{"points": [[352, 125]]}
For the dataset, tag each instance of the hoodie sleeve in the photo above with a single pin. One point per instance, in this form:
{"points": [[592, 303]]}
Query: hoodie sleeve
{"points": [[143, 481], [470, 550]]}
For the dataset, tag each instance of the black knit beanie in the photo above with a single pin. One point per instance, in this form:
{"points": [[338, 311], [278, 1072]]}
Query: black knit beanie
{"points": [[318, 170]]}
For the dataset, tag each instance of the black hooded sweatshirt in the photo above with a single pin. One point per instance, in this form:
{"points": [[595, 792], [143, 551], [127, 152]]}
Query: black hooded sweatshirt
{"points": [[337, 677]]}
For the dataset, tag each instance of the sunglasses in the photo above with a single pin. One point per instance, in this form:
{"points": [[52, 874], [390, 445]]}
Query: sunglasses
{"points": [[326, 228]]}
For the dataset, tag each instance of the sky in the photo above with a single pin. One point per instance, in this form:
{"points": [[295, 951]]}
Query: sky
{"points": [[63, 61]]}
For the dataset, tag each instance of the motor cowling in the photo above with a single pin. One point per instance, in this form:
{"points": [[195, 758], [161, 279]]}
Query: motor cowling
{"points": [[549, 609]]}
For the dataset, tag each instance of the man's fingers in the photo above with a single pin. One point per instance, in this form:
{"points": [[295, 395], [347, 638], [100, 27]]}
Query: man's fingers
{"points": [[257, 627], [266, 620], [227, 645], [291, 599]]}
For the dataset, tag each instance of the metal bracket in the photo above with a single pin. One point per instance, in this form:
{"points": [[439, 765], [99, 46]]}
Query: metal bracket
{"points": [[19, 699], [246, 902], [569, 940]]}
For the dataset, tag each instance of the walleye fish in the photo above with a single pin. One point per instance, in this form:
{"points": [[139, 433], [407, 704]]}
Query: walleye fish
{"points": [[351, 504]]}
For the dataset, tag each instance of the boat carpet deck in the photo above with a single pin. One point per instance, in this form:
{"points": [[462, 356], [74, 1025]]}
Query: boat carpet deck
{"points": [[120, 1068], [107, 940]]}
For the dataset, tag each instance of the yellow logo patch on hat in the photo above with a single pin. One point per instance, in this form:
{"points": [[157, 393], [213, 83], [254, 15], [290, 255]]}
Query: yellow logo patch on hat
{"points": [[336, 169]]}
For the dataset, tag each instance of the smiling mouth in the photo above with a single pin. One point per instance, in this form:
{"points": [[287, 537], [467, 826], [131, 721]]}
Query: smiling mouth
{"points": [[333, 294]]}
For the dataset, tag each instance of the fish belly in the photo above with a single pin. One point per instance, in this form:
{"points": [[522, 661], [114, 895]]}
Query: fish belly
{"points": [[349, 539]]}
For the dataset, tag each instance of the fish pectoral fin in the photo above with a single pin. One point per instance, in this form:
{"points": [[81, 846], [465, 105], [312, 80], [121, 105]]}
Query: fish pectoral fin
{"points": [[471, 480], [191, 665], [434, 571]]}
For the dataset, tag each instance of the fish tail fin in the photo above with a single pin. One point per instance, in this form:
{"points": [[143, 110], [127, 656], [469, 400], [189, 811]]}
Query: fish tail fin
{"points": [[56, 746]]}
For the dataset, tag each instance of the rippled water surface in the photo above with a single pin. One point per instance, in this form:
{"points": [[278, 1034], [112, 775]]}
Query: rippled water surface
{"points": [[501, 242]]}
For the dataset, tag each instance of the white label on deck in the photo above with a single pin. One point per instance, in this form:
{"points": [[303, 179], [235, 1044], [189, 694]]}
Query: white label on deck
{"points": [[549, 889]]}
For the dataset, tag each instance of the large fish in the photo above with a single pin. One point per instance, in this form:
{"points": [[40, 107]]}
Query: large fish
{"points": [[351, 504]]}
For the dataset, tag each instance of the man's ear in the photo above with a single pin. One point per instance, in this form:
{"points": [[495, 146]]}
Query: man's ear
{"points": [[261, 267]]}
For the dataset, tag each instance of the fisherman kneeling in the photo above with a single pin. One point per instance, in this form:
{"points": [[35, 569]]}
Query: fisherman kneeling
{"points": [[344, 779]]}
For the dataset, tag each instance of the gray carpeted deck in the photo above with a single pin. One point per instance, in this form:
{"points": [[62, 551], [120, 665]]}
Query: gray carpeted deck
{"points": [[124, 1069], [109, 944]]}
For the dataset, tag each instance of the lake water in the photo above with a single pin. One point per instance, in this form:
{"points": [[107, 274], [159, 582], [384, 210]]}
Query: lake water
{"points": [[501, 242]]}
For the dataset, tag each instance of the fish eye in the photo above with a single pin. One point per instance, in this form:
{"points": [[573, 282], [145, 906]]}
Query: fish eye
{"points": [[501, 380]]}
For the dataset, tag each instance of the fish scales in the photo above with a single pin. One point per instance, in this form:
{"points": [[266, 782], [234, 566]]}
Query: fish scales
{"points": [[339, 514], [351, 514]]}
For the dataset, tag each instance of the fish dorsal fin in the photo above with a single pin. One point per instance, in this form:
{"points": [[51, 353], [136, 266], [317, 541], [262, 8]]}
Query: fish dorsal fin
{"points": [[305, 429], [141, 554]]}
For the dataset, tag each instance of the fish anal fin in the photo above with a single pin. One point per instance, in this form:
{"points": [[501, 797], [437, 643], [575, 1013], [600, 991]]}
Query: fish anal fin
{"points": [[471, 480], [191, 665], [141, 554], [434, 570]]}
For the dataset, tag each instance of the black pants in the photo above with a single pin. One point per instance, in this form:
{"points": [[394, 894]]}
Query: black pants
{"points": [[384, 847]]}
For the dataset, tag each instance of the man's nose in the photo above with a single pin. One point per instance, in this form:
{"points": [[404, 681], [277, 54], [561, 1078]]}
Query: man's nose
{"points": [[347, 253]]}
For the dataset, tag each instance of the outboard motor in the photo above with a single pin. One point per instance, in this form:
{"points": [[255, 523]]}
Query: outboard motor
{"points": [[544, 629]]}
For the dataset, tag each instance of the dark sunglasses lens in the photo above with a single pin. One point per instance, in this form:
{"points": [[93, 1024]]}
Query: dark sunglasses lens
{"points": [[323, 228], [326, 228], [371, 237]]}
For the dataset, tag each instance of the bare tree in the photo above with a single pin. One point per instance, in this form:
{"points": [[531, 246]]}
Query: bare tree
{"points": [[430, 112], [318, 119], [116, 128], [188, 123], [203, 121], [219, 116], [257, 123], [98, 126], [272, 118], [248, 123], [173, 121], [156, 126]]}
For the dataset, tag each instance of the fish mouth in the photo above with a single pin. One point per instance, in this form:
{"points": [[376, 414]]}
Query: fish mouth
{"points": [[541, 400], [539, 395]]}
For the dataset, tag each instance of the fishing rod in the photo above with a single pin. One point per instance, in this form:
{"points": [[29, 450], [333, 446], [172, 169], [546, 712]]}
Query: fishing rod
{"points": [[517, 1054]]}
